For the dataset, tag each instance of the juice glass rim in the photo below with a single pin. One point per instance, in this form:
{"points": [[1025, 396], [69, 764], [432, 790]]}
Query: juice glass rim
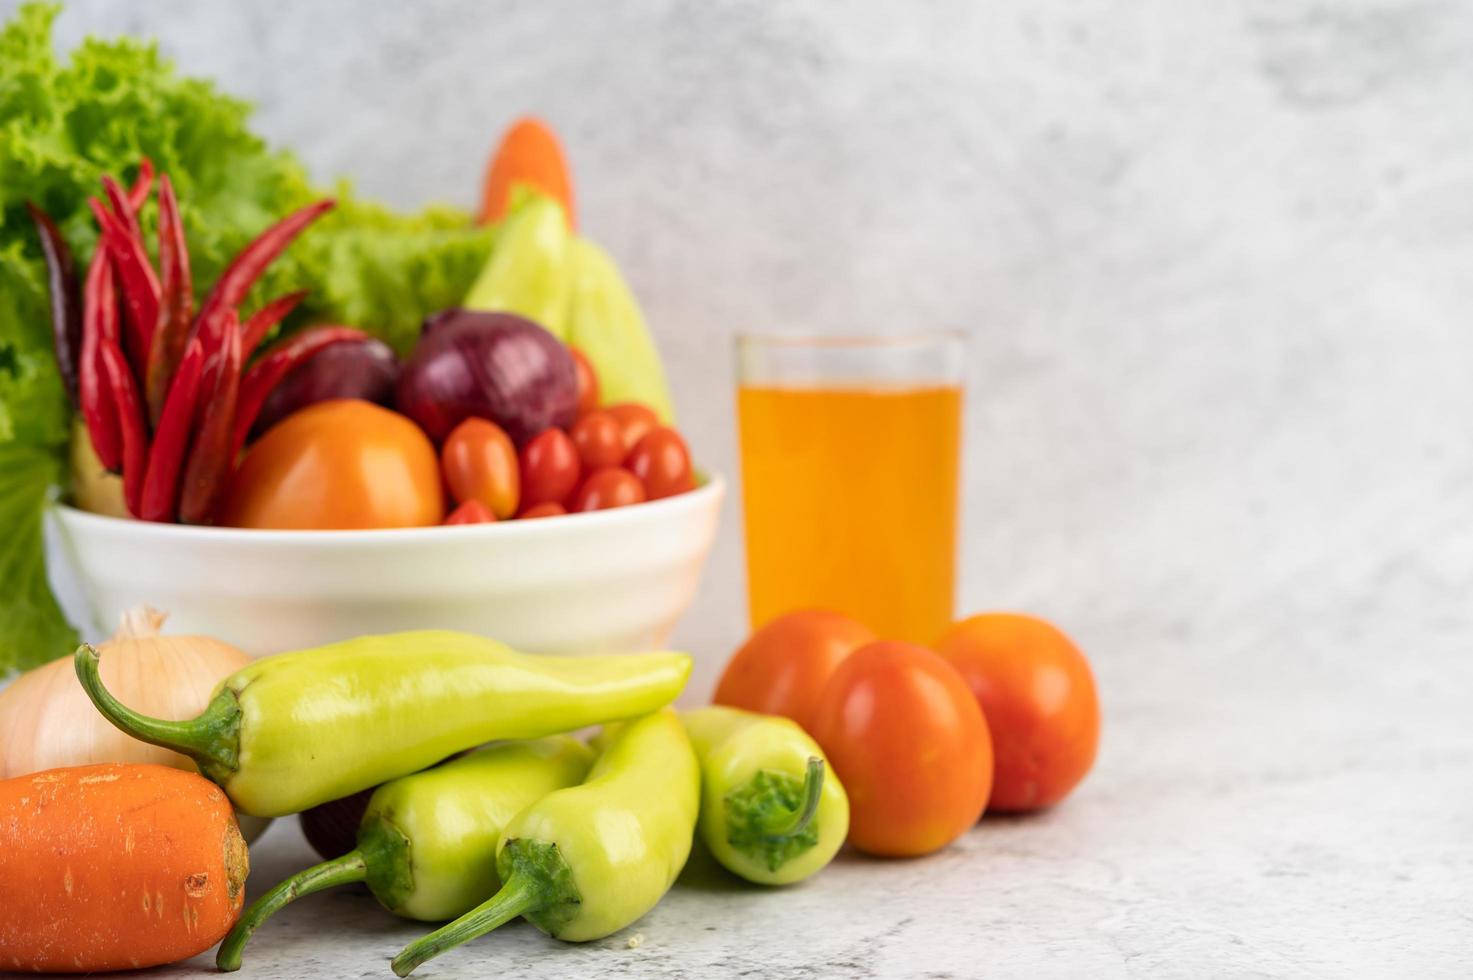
{"points": [[800, 338]]}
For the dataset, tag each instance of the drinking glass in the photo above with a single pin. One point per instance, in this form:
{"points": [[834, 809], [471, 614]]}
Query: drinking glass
{"points": [[850, 456]]}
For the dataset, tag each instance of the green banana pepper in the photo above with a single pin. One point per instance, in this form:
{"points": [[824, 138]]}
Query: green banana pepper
{"points": [[605, 323], [427, 843], [771, 811], [587, 861], [528, 272], [297, 729]]}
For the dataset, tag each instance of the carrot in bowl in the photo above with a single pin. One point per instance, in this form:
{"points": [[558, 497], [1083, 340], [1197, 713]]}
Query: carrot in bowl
{"points": [[529, 154], [115, 867]]}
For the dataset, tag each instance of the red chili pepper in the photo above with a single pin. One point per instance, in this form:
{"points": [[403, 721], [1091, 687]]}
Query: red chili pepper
{"points": [[140, 285], [211, 459], [124, 391], [99, 323], [138, 193], [274, 365], [268, 316], [236, 281], [171, 438], [123, 208], [66, 307], [176, 302]]}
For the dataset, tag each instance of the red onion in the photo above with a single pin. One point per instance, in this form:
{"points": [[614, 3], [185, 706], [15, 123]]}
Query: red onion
{"points": [[332, 827], [496, 366], [365, 369]]}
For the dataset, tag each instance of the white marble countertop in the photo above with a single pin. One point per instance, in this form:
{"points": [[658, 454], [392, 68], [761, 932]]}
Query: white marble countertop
{"points": [[1272, 802]]}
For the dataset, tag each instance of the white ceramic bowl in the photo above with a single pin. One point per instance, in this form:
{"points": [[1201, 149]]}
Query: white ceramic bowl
{"points": [[612, 580]]}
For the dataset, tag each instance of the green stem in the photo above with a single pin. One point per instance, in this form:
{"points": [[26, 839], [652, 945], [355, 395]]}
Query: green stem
{"points": [[520, 894], [212, 738], [349, 868], [780, 825]]}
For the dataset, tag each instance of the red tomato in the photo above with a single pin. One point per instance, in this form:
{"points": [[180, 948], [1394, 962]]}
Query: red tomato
{"points": [[548, 509], [600, 441], [612, 486], [587, 382], [480, 463], [906, 738], [337, 464], [662, 463], [471, 512], [634, 420], [1038, 694], [550, 468], [783, 667]]}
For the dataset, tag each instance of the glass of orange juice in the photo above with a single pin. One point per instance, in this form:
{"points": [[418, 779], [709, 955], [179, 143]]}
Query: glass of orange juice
{"points": [[850, 460]]}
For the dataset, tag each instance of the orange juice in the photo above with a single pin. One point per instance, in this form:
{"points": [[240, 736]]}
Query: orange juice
{"points": [[850, 497]]}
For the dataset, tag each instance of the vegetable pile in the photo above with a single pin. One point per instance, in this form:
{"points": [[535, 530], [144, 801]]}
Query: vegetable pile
{"points": [[134, 203]]}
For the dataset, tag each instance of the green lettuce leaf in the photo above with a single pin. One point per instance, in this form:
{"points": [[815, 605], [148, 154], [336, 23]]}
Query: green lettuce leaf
{"points": [[32, 629]]}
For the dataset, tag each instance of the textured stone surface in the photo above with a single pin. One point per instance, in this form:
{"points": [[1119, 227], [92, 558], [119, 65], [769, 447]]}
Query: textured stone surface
{"points": [[1214, 259]]}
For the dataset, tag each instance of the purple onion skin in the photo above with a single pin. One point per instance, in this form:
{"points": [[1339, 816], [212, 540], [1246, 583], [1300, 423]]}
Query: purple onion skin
{"points": [[365, 369], [496, 366], [332, 827]]}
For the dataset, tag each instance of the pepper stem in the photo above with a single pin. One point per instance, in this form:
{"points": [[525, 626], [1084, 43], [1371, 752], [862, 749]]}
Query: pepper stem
{"points": [[211, 738], [779, 825], [345, 870], [520, 894]]}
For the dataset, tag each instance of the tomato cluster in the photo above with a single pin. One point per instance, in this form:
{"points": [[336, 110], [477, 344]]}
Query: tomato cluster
{"points": [[1002, 714], [610, 457]]}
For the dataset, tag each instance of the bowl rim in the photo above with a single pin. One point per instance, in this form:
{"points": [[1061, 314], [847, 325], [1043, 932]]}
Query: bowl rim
{"points": [[708, 493]]}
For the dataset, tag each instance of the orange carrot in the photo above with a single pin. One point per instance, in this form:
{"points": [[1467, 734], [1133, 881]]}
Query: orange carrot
{"points": [[529, 154], [115, 867]]}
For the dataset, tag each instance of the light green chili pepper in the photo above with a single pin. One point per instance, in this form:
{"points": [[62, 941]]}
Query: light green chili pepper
{"points": [[528, 272], [771, 810], [427, 843], [291, 731], [587, 861]]}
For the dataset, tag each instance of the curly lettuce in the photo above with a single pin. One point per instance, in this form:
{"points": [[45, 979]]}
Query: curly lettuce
{"points": [[66, 122]]}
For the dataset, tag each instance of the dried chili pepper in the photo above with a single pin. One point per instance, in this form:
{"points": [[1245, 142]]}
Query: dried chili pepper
{"points": [[142, 184], [99, 322], [124, 391], [140, 284], [274, 365], [66, 306], [176, 303], [238, 278], [171, 438], [268, 316], [211, 459]]}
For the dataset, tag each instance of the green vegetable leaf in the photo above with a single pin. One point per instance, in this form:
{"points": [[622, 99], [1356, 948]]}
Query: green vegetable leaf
{"points": [[32, 628]]}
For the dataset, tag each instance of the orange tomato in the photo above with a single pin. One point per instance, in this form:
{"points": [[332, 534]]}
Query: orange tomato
{"points": [[338, 464], [1038, 694], [599, 440], [587, 379], [480, 463], [471, 512], [906, 738], [545, 509], [783, 667]]}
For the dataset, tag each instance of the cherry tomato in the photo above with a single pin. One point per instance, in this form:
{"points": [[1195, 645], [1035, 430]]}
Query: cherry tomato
{"points": [[338, 464], [480, 463], [547, 509], [662, 463], [783, 667], [550, 468], [906, 738], [634, 421], [1038, 694], [600, 441], [612, 486], [471, 512], [587, 382]]}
